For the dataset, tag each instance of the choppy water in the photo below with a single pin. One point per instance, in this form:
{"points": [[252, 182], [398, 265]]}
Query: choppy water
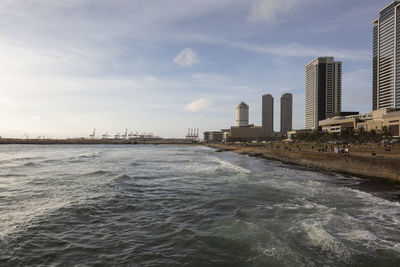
{"points": [[181, 205]]}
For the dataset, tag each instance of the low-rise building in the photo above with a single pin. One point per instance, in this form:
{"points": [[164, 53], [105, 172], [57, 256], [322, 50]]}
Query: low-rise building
{"points": [[226, 136], [292, 134], [374, 120], [247, 133], [213, 136]]}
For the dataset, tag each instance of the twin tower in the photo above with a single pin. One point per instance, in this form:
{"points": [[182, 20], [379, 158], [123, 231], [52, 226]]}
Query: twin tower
{"points": [[268, 114], [267, 129]]}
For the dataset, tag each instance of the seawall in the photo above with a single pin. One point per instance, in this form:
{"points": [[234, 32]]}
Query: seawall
{"points": [[364, 166]]}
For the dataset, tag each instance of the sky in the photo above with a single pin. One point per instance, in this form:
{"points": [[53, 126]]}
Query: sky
{"points": [[163, 66]]}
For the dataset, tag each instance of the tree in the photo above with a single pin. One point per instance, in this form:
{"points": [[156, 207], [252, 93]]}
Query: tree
{"points": [[374, 136], [362, 135], [348, 135], [386, 133]]}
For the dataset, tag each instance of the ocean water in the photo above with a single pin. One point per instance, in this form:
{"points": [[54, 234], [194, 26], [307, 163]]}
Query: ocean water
{"points": [[186, 206]]}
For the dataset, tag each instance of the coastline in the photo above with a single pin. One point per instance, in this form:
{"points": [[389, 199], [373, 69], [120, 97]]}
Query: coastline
{"points": [[379, 168], [376, 168], [14, 141]]}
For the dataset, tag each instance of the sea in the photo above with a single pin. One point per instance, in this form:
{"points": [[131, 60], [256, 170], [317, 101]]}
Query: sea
{"points": [[167, 205]]}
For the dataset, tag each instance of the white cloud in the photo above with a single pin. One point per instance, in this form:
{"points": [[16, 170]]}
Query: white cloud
{"points": [[198, 105], [267, 10], [187, 57]]}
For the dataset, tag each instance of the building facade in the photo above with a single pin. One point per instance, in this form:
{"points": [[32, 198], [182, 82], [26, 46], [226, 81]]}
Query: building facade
{"points": [[286, 113], [323, 90], [246, 134], [213, 136], [267, 115], [386, 58], [374, 120], [242, 115]]}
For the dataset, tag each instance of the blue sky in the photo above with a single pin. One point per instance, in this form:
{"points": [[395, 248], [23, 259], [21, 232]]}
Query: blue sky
{"points": [[161, 66]]}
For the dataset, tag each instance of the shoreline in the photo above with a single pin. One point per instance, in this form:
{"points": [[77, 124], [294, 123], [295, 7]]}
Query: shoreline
{"points": [[373, 168], [12, 141]]}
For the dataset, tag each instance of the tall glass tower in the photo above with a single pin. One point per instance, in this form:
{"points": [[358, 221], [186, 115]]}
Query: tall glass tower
{"points": [[323, 90], [286, 113], [267, 115], [386, 58]]}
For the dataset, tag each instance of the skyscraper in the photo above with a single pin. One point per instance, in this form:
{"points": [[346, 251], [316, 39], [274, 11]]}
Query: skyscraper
{"points": [[267, 115], [242, 115], [386, 58], [286, 113], [323, 90]]}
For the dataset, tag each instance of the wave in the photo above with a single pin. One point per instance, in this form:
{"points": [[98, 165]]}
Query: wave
{"points": [[80, 158], [362, 235], [166, 161], [226, 165], [19, 160], [12, 175], [202, 167], [26, 158], [123, 177], [31, 164], [98, 172], [52, 161], [319, 237], [88, 156], [23, 219]]}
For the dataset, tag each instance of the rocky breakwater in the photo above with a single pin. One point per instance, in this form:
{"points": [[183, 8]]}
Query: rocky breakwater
{"points": [[364, 166]]}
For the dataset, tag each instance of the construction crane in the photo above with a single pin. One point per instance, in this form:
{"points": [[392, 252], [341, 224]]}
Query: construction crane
{"points": [[93, 135], [25, 136], [193, 134], [105, 136], [125, 136]]}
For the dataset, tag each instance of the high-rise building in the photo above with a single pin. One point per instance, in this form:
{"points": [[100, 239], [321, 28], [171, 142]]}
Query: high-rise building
{"points": [[386, 58], [286, 113], [323, 90], [267, 115], [242, 115]]}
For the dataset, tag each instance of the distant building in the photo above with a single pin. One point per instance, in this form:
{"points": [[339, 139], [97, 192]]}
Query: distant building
{"points": [[323, 90], [226, 133], [246, 134], [267, 115], [242, 115], [286, 113], [343, 114], [213, 136], [386, 58], [374, 120], [292, 134]]}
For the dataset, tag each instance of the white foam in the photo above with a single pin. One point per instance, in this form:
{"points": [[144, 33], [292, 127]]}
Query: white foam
{"points": [[318, 236], [205, 167], [355, 235], [230, 166]]}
